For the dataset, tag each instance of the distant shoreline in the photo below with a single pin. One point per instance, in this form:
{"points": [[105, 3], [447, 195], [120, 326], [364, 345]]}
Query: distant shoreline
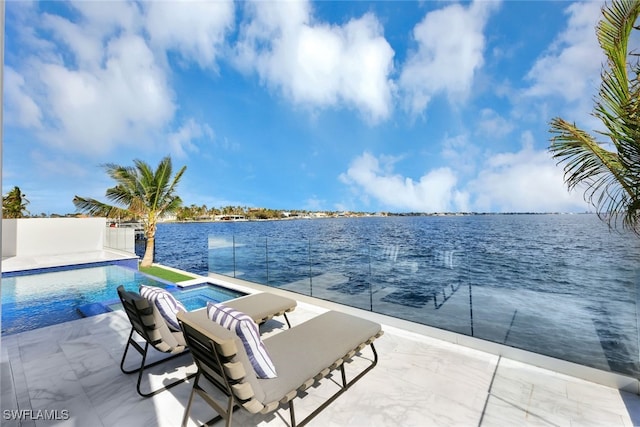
{"points": [[385, 215]]}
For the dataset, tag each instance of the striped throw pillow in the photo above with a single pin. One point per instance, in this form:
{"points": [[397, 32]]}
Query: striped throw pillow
{"points": [[165, 303], [249, 334]]}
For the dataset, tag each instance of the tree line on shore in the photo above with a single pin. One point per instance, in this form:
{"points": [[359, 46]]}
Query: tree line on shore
{"points": [[15, 206], [203, 213]]}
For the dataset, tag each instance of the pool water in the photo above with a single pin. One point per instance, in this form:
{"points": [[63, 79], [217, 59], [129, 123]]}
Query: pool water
{"points": [[197, 296], [38, 300]]}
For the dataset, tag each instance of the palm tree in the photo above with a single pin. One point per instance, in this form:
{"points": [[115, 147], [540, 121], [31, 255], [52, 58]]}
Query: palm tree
{"points": [[14, 204], [143, 194], [612, 178]]}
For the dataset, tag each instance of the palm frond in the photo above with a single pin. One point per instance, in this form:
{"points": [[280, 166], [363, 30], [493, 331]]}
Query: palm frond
{"points": [[617, 105], [161, 179], [613, 32], [611, 178], [588, 164], [144, 194], [583, 156], [97, 208]]}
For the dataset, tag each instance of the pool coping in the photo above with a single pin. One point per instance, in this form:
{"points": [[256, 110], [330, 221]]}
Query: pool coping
{"points": [[18, 273]]}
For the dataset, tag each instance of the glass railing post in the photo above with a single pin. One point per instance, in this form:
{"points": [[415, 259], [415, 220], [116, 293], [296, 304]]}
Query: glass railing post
{"points": [[370, 279], [637, 307], [234, 254], [310, 272], [470, 306], [266, 256]]}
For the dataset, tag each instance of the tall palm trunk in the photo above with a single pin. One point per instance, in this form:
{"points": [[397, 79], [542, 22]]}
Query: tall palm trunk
{"points": [[149, 252], [147, 260]]}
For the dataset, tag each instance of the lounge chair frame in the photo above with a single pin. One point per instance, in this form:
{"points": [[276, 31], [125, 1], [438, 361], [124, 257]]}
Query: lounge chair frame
{"points": [[345, 386], [140, 324], [140, 370], [143, 317], [214, 358]]}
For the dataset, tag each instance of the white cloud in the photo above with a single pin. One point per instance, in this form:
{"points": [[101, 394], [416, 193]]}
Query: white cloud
{"points": [[433, 192], [56, 165], [85, 48], [318, 65], [195, 29], [96, 83], [493, 124], [181, 140], [461, 154], [21, 109], [524, 181], [119, 103], [109, 17], [571, 66], [313, 203], [450, 46], [95, 23]]}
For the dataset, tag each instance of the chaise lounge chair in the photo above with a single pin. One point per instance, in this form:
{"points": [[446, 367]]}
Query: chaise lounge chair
{"points": [[302, 355], [147, 322]]}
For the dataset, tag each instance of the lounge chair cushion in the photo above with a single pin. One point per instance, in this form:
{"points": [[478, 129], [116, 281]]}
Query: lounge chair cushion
{"points": [[154, 325], [165, 303], [302, 352], [200, 320], [262, 306], [248, 332]]}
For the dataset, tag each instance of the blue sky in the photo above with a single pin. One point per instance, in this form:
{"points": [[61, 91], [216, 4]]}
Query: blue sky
{"points": [[356, 106]]}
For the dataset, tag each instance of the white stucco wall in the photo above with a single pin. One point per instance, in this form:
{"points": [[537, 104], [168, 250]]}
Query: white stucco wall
{"points": [[42, 236], [9, 237]]}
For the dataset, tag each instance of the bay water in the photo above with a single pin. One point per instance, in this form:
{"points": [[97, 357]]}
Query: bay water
{"points": [[560, 285]]}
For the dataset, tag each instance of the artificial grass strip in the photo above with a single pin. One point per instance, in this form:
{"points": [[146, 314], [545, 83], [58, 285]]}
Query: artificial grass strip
{"points": [[165, 274]]}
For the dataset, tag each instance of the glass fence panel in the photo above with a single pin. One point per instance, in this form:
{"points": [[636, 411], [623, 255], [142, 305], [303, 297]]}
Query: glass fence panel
{"points": [[120, 238], [576, 300], [251, 259], [340, 272], [422, 283], [288, 264], [221, 255], [564, 303]]}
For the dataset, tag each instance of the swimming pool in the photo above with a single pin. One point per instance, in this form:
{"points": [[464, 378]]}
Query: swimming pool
{"points": [[48, 298]]}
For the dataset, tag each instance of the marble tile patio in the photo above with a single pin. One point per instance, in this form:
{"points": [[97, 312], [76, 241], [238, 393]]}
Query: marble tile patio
{"points": [[419, 381]]}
